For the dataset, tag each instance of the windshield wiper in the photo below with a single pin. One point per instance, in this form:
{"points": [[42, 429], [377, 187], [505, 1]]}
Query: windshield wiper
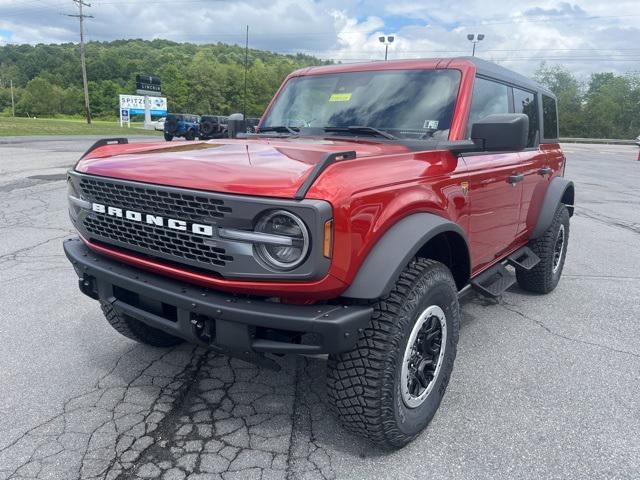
{"points": [[280, 129], [362, 129]]}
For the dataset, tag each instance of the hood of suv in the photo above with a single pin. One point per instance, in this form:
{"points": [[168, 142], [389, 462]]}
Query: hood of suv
{"points": [[264, 167]]}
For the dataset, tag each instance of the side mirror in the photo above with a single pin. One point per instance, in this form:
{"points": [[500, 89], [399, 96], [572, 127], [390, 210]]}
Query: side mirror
{"points": [[506, 132]]}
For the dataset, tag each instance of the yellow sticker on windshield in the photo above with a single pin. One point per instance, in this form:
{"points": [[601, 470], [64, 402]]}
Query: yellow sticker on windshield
{"points": [[340, 97]]}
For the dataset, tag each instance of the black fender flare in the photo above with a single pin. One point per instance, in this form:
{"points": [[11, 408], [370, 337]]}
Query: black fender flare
{"points": [[394, 250], [560, 190]]}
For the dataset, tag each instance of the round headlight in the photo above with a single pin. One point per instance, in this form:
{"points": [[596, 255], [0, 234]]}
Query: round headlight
{"points": [[295, 240]]}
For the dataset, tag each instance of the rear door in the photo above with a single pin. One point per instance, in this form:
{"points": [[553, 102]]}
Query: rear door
{"points": [[533, 161], [495, 182], [541, 164]]}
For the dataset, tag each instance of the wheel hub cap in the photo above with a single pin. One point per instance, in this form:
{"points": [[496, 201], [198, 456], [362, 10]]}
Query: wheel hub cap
{"points": [[423, 356]]}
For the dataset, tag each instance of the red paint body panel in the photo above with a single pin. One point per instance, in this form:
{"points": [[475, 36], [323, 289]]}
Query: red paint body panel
{"points": [[495, 206], [262, 167], [385, 183]]}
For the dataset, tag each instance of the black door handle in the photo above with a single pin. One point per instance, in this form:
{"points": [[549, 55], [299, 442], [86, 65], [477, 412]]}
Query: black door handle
{"points": [[513, 179], [545, 171]]}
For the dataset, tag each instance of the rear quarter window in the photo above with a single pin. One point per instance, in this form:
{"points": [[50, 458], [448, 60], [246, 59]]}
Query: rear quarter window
{"points": [[550, 117]]}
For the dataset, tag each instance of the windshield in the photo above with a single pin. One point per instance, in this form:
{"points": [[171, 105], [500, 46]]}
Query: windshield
{"points": [[405, 103]]}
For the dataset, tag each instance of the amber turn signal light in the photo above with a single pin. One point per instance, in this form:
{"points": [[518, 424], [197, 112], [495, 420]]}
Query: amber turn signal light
{"points": [[328, 238]]}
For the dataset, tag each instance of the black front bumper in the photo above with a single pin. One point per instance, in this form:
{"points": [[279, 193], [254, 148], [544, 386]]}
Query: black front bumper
{"points": [[233, 324]]}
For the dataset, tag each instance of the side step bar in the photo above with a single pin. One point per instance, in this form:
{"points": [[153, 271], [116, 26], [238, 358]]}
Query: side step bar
{"points": [[497, 279], [493, 282], [523, 259]]}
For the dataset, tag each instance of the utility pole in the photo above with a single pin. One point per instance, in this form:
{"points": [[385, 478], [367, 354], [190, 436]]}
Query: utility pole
{"points": [[81, 17], [246, 66], [13, 105]]}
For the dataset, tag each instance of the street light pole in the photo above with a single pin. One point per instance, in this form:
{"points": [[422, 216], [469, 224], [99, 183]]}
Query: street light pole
{"points": [[475, 39], [386, 40]]}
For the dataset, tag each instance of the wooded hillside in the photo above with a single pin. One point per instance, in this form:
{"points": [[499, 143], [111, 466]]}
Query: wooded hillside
{"points": [[195, 78], [210, 79]]}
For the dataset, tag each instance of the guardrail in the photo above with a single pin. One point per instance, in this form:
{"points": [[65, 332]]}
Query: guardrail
{"points": [[609, 141]]}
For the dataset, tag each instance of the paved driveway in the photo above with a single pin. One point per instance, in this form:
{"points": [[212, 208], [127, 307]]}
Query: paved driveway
{"points": [[544, 386]]}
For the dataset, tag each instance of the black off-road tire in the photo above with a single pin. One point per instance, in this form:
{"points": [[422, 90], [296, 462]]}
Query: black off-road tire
{"points": [[136, 330], [190, 135], [168, 137], [543, 278], [364, 384]]}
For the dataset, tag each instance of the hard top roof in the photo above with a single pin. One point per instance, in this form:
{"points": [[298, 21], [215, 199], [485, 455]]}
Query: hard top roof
{"points": [[483, 67], [493, 70]]}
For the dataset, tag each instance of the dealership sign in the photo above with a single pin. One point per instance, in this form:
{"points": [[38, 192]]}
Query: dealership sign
{"points": [[135, 104], [148, 85]]}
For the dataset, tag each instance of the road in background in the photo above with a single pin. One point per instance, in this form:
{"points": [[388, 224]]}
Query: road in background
{"points": [[543, 387]]}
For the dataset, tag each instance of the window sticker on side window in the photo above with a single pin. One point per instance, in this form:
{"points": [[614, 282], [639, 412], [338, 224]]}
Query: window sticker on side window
{"points": [[340, 97], [431, 124]]}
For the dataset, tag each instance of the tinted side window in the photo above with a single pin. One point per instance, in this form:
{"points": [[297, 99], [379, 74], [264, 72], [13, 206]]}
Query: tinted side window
{"points": [[488, 98], [550, 117], [527, 103]]}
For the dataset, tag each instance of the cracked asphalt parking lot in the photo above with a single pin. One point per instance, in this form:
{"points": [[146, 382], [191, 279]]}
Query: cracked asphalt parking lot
{"points": [[543, 387]]}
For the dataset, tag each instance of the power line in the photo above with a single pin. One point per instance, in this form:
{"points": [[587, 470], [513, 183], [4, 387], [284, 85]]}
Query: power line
{"points": [[85, 85]]}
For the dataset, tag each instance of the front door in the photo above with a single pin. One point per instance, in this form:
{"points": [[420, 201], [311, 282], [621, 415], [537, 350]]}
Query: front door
{"points": [[495, 191], [495, 182]]}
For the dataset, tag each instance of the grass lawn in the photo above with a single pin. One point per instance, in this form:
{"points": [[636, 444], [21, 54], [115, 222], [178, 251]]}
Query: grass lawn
{"points": [[53, 126]]}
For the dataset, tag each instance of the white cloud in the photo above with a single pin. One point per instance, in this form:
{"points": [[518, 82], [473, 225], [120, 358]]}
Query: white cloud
{"points": [[585, 35]]}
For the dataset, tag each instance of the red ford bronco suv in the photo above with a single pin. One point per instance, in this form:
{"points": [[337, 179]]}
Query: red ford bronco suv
{"points": [[370, 197]]}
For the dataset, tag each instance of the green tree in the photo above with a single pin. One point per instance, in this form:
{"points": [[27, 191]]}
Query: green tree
{"points": [[72, 101], [5, 100], [612, 109], [570, 96], [40, 97]]}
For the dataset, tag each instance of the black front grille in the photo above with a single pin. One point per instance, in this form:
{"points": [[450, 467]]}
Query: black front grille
{"points": [[178, 245], [183, 206]]}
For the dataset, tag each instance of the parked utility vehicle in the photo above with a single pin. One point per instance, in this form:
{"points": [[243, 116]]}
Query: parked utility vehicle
{"points": [[212, 126], [348, 225], [181, 125]]}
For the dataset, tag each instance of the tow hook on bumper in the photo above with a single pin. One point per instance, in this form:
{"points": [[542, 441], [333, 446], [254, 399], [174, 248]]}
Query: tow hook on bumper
{"points": [[239, 326]]}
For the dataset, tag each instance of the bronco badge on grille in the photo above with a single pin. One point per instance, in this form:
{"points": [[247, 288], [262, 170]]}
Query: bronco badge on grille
{"points": [[156, 220]]}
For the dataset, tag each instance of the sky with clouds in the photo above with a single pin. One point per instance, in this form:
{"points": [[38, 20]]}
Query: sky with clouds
{"points": [[583, 35]]}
